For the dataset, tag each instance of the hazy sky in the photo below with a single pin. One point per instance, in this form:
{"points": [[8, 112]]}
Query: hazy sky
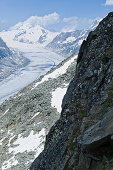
{"points": [[65, 14]]}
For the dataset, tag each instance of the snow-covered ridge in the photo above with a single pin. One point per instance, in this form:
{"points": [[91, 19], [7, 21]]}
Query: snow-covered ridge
{"points": [[68, 43]]}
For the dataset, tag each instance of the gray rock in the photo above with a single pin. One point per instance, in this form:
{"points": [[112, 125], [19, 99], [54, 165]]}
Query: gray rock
{"points": [[89, 95], [98, 134]]}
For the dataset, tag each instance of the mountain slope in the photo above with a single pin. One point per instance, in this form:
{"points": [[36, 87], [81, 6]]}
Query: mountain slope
{"points": [[26, 117], [10, 60], [67, 43], [83, 136]]}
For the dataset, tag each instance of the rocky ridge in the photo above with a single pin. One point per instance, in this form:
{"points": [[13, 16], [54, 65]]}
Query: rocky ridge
{"points": [[26, 117], [83, 136]]}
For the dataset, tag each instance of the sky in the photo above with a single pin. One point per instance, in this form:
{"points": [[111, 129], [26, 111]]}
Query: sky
{"points": [[57, 15]]}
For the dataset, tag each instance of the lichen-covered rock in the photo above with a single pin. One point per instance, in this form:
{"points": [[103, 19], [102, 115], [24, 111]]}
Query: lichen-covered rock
{"points": [[82, 137], [98, 134]]}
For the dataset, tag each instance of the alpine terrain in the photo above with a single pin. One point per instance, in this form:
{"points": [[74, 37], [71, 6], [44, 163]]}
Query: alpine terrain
{"points": [[10, 60], [27, 38], [68, 43], [31, 41], [77, 135], [26, 117], [83, 136]]}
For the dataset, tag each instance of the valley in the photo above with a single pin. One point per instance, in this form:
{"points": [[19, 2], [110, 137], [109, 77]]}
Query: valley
{"points": [[41, 61]]}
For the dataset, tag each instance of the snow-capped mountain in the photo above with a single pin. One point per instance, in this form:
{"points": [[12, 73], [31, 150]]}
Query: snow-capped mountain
{"points": [[67, 43], [26, 118], [30, 32]]}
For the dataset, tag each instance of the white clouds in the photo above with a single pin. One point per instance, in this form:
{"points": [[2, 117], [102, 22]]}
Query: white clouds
{"points": [[73, 23], [109, 2], [54, 22], [44, 20]]}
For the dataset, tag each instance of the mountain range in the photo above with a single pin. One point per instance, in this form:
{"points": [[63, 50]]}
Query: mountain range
{"points": [[30, 32], [30, 35], [68, 43], [27, 39]]}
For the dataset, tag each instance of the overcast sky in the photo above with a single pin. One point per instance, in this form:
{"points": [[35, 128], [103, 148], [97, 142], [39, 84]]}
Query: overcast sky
{"points": [[58, 15]]}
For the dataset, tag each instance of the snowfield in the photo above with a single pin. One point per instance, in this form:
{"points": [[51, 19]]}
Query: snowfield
{"points": [[57, 97]]}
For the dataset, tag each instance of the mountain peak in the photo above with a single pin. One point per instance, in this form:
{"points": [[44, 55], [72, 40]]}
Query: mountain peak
{"points": [[33, 20], [30, 31]]}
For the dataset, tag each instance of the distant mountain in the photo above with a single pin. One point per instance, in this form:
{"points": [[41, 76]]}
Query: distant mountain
{"points": [[67, 43], [31, 32], [10, 60]]}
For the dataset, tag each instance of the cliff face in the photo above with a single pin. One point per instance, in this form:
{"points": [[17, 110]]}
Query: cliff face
{"points": [[83, 136]]}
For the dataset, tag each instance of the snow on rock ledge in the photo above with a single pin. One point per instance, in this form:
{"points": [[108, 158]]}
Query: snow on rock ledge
{"points": [[57, 97]]}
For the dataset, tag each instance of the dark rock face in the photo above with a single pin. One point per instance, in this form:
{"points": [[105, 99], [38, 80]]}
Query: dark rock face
{"points": [[82, 137]]}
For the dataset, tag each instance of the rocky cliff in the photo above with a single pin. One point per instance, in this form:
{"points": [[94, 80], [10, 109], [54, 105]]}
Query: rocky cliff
{"points": [[83, 136]]}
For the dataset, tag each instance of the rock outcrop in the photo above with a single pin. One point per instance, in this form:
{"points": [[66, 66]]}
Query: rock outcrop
{"points": [[83, 136]]}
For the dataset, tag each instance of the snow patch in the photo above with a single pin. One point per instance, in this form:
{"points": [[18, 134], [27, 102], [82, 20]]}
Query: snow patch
{"points": [[31, 143], [2, 140], [59, 71], [4, 113], [12, 137], [80, 42], [57, 97], [69, 39], [8, 164], [35, 115]]}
